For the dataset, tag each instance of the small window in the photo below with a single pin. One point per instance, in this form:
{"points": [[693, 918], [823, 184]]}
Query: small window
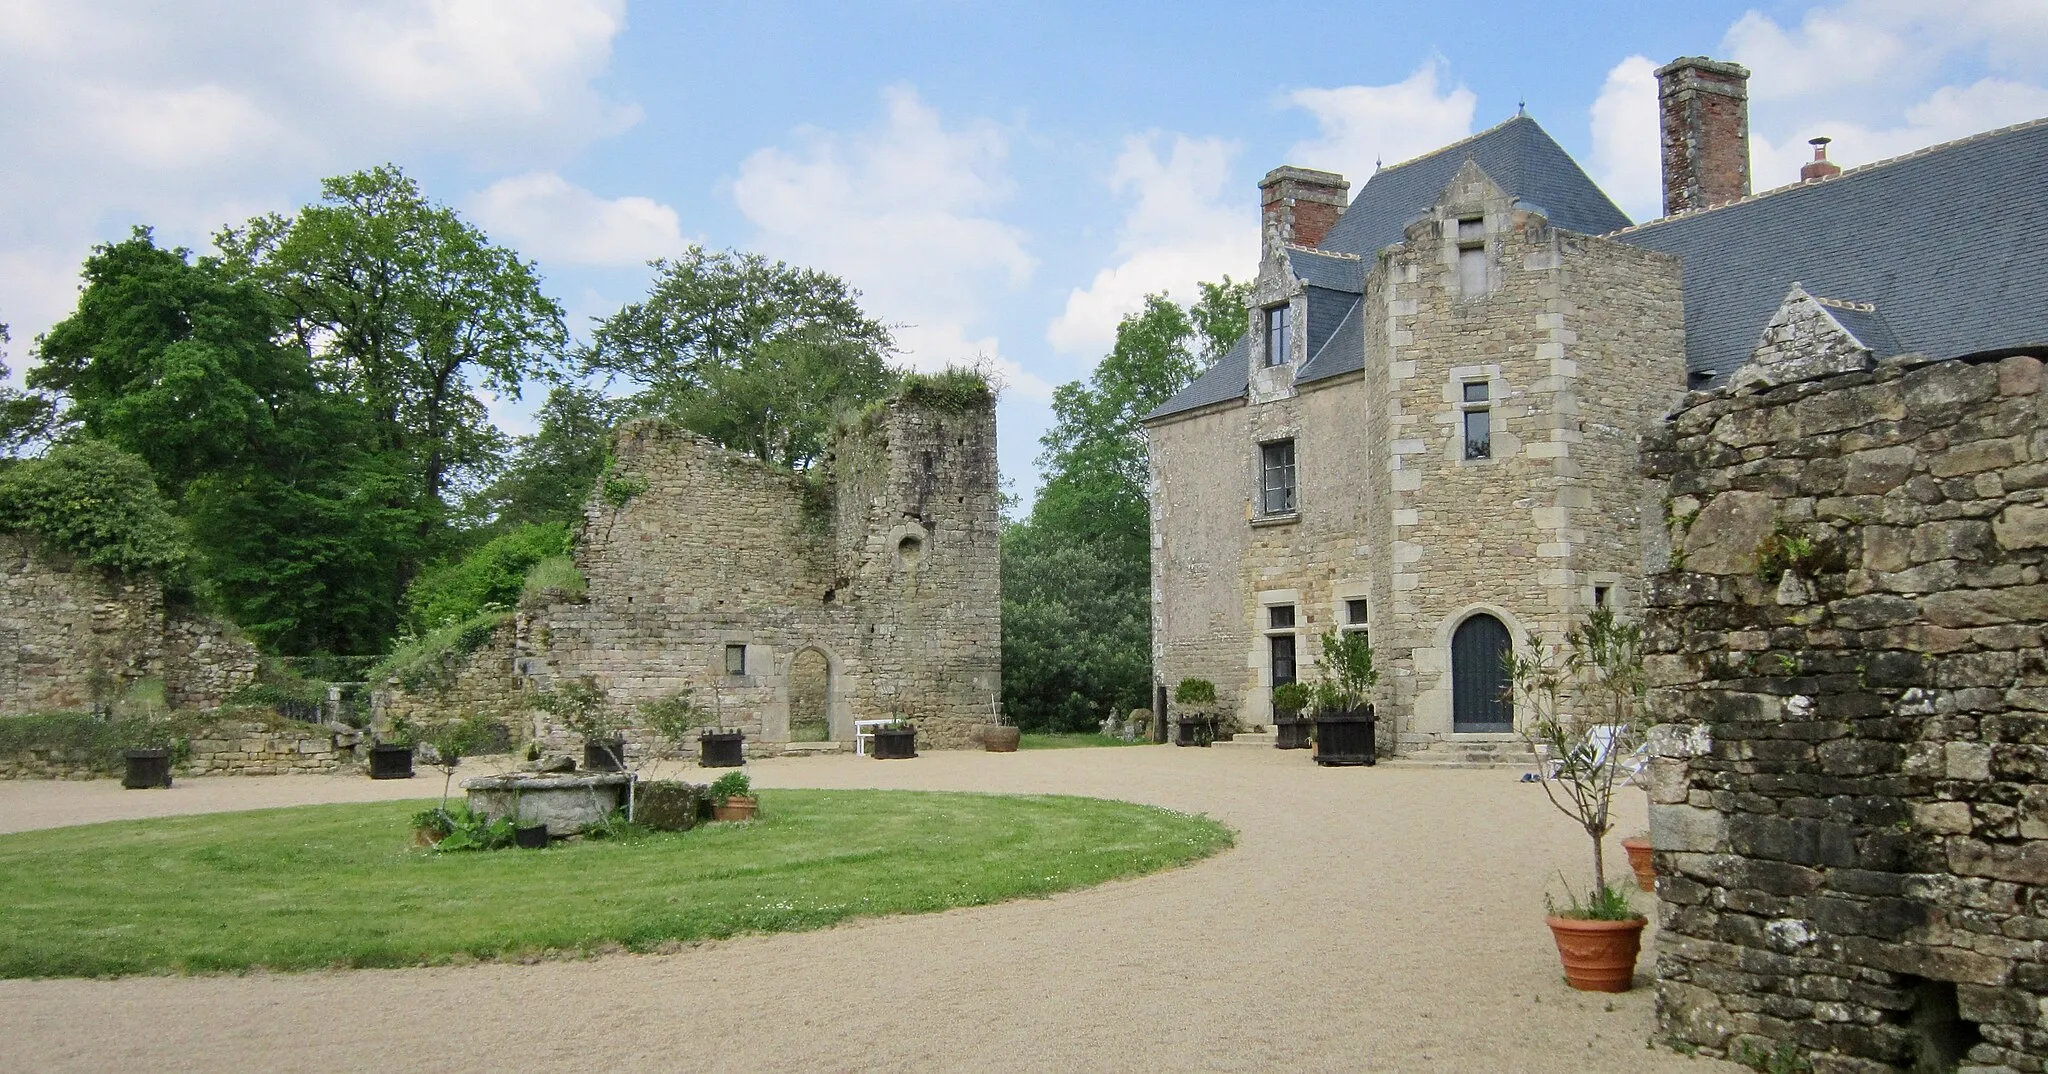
{"points": [[1478, 420], [1472, 256], [1354, 612], [1276, 335], [1276, 478], [1280, 617], [1599, 596], [1472, 229], [736, 660], [1280, 648]]}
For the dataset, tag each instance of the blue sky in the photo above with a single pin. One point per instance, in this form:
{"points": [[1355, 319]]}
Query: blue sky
{"points": [[1003, 182]]}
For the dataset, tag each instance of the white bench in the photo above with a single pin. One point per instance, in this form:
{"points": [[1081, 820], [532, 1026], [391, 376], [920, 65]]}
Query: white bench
{"points": [[863, 730]]}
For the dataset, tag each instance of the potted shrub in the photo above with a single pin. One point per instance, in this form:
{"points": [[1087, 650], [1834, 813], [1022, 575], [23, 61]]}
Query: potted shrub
{"points": [[997, 736], [732, 797], [1196, 725], [1600, 669], [722, 748], [896, 741], [1290, 724], [391, 753], [1346, 733]]}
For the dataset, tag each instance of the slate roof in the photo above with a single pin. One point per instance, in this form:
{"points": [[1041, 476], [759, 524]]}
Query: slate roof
{"points": [[1867, 324], [1517, 155], [1342, 352], [1333, 271], [1950, 243], [1222, 382]]}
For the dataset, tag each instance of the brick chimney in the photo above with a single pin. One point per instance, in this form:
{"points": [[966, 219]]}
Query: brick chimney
{"points": [[1705, 108], [1820, 167], [1300, 206]]}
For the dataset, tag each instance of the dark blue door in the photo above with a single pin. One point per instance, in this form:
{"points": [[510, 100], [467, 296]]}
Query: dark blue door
{"points": [[1479, 676]]}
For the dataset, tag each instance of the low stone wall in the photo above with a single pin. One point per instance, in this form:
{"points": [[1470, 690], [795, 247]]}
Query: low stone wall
{"points": [[1850, 809], [227, 748]]}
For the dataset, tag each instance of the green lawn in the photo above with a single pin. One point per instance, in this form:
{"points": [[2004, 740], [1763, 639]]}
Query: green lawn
{"points": [[1070, 741], [342, 885]]}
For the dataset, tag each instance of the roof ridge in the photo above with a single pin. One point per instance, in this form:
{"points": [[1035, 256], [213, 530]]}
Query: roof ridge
{"points": [[1319, 251], [1846, 173], [1845, 304], [1442, 149]]}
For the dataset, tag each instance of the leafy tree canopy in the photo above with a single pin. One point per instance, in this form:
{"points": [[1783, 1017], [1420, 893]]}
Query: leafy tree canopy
{"points": [[25, 417], [96, 502], [487, 579], [754, 354], [551, 472]]}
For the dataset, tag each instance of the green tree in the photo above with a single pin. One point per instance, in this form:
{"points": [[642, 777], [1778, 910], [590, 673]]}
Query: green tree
{"points": [[1076, 575], [398, 301], [25, 417], [551, 472], [93, 500], [297, 521], [493, 574], [755, 354]]}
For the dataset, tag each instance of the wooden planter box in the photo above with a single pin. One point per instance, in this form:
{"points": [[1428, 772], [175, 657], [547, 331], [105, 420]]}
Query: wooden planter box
{"points": [[1194, 731], [146, 768], [598, 756], [1347, 738], [895, 745], [1291, 732], [390, 762], [722, 749]]}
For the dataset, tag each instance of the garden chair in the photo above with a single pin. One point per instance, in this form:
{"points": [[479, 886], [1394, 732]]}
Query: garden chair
{"points": [[1600, 741]]}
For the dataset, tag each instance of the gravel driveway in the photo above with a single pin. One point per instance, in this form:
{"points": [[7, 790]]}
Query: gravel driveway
{"points": [[1370, 919]]}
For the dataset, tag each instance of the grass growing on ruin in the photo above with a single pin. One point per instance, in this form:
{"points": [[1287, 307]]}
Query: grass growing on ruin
{"points": [[342, 885]]}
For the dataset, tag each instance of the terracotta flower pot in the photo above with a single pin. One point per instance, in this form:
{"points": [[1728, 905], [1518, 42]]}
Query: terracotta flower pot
{"points": [[999, 739], [1638, 848], [427, 837], [733, 808], [1598, 956]]}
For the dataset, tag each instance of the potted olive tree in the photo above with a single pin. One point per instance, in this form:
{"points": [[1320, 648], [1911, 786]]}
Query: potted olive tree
{"points": [[447, 743], [1346, 733], [1585, 713], [1291, 721], [1196, 725]]}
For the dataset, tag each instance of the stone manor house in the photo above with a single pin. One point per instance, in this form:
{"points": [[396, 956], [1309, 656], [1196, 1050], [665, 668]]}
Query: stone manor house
{"points": [[1432, 430]]}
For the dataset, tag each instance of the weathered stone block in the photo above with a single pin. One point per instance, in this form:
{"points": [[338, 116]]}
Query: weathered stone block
{"points": [[1688, 829], [1724, 539], [668, 805], [2022, 526]]}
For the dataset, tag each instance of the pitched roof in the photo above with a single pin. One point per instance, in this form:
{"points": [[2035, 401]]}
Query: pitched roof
{"points": [[1946, 242], [1517, 155], [1221, 382], [1343, 351], [1320, 268], [1866, 322]]}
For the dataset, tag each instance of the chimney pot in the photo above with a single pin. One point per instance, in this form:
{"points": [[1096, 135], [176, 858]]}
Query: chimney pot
{"points": [[1820, 167], [1299, 206], [1704, 107]]}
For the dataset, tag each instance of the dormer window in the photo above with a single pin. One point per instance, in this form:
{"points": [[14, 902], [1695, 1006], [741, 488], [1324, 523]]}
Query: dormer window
{"points": [[1276, 335]]}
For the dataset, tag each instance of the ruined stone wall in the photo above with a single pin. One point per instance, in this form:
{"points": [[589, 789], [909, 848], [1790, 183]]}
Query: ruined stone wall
{"points": [[888, 571], [227, 746], [1578, 343], [485, 682], [1851, 814], [73, 636]]}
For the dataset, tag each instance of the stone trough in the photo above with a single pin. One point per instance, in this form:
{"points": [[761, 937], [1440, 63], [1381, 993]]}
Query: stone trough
{"points": [[567, 802]]}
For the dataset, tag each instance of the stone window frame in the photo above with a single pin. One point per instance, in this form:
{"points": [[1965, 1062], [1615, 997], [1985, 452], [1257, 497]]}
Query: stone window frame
{"points": [[1273, 631], [1497, 393], [1259, 706], [733, 648], [1342, 594], [1283, 353], [1471, 255], [1611, 583], [1262, 468]]}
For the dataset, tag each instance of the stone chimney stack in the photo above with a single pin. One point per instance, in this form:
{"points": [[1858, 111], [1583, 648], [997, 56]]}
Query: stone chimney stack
{"points": [[1705, 109], [1300, 206], [1820, 167]]}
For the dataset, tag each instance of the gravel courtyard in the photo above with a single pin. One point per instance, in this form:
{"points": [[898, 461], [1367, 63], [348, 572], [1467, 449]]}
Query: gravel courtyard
{"points": [[1381, 919]]}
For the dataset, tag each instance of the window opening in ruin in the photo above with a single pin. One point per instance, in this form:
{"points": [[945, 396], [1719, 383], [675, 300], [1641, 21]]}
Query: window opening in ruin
{"points": [[909, 550], [810, 697], [1472, 256], [1276, 483], [736, 659], [1937, 1037], [831, 595], [1478, 409], [1276, 335], [1280, 659], [1599, 596], [1354, 615]]}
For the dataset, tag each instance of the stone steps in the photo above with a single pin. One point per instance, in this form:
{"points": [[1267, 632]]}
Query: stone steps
{"points": [[1250, 740], [1492, 751], [812, 749]]}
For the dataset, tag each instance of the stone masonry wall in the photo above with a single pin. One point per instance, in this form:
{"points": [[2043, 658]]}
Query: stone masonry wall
{"points": [[73, 636], [1578, 342], [888, 571], [1850, 810], [227, 747]]}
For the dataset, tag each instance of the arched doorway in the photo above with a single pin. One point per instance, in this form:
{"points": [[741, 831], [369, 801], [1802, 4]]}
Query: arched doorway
{"points": [[810, 697], [1479, 676]]}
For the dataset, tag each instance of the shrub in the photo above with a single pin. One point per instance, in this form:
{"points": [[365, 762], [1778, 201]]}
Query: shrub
{"points": [[954, 389], [428, 661], [492, 575], [554, 580], [1195, 692], [731, 785], [96, 502]]}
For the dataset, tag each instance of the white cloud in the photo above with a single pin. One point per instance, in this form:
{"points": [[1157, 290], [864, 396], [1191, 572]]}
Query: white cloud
{"points": [[1363, 126], [1627, 162], [1181, 229], [191, 116], [549, 218], [905, 213]]}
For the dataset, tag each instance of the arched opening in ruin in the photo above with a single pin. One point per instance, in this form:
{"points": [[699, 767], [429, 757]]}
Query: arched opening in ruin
{"points": [[810, 697]]}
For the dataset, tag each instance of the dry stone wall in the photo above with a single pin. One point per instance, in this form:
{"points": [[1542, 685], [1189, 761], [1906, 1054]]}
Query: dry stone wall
{"points": [[1850, 807]]}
